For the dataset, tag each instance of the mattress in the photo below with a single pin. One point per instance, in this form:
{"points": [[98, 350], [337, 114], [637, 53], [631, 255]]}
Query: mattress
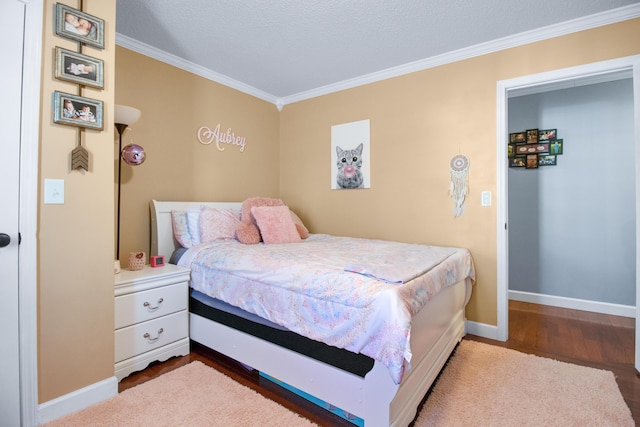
{"points": [[226, 314], [354, 294]]}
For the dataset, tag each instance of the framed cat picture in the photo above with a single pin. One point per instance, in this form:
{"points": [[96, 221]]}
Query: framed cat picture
{"points": [[350, 154]]}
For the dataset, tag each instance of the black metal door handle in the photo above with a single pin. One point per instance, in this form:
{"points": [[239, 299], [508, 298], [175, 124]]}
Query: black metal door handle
{"points": [[5, 239]]}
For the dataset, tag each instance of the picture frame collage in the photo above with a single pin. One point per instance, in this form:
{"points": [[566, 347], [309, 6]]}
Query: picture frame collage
{"points": [[76, 67], [534, 148]]}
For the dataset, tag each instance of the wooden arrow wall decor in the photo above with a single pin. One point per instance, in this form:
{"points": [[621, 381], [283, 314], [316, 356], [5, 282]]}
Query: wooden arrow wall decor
{"points": [[80, 158]]}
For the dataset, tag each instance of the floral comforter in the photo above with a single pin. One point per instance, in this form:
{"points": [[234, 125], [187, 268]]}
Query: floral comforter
{"points": [[342, 291]]}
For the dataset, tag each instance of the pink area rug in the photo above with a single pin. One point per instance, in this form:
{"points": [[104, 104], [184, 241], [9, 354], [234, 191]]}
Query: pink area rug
{"points": [[192, 395], [486, 385], [481, 385]]}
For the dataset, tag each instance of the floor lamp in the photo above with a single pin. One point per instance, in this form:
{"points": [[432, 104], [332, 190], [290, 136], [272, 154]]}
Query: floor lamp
{"points": [[132, 154]]}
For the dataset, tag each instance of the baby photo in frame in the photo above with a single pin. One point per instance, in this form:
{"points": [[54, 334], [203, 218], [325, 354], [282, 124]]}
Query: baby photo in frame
{"points": [[78, 68], [74, 110], [79, 26]]}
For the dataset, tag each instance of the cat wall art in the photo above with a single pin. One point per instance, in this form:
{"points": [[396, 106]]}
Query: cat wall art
{"points": [[349, 163], [350, 155]]}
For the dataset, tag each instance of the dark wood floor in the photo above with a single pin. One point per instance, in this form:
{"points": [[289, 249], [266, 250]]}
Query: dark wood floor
{"points": [[584, 338]]}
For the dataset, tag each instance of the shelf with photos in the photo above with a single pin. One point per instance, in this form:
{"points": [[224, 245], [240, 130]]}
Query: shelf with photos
{"points": [[534, 148]]}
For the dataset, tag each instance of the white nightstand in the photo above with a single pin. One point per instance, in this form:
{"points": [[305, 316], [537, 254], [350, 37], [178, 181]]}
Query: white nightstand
{"points": [[151, 316]]}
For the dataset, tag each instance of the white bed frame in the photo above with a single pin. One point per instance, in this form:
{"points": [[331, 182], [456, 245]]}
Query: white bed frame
{"points": [[375, 398]]}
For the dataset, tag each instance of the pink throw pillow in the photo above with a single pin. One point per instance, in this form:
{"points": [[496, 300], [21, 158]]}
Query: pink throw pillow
{"points": [[247, 231], [275, 224]]}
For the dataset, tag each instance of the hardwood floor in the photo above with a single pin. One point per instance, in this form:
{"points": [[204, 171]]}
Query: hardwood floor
{"points": [[584, 338]]}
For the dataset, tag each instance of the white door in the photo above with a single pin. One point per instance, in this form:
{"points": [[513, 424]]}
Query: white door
{"points": [[12, 16]]}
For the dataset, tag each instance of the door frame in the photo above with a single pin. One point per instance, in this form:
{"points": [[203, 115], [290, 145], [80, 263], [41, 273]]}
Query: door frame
{"points": [[28, 211], [626, 67]]}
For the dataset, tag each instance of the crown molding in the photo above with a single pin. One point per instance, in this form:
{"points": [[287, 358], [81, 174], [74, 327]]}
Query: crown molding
{"points": [[592, 21], [176, 61], [556, 30]]}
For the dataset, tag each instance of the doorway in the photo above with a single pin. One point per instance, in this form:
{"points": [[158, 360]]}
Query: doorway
{"points": [[628, 67], [572, 218]]}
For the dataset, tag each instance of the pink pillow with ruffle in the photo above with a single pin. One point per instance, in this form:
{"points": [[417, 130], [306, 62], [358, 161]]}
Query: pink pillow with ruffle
{"points": [[217, 224]]}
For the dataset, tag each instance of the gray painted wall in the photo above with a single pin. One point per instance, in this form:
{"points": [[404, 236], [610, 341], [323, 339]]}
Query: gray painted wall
{"points": [[572, 226]]}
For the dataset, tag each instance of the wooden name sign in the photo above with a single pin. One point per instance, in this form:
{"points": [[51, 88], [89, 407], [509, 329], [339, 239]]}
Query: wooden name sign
{"points": [[207, 136]]}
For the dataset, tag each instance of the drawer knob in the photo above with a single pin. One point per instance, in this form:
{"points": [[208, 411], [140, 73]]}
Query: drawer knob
{"points": [[149, 307], [150, 339]]}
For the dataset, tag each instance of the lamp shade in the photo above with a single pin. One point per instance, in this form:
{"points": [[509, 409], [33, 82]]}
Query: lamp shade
{"points": [[126, 115]]}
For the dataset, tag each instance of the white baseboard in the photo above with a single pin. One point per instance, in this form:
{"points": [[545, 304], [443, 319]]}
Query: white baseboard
{"points": [[77, 400], [575, 304], [482, 330], [490, 331]]}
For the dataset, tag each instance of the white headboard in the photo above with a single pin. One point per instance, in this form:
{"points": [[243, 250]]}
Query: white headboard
{"points": [[162, 240]]}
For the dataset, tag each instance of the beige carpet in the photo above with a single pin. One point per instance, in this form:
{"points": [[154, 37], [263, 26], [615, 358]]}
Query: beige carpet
{"points": [[482, 385]]}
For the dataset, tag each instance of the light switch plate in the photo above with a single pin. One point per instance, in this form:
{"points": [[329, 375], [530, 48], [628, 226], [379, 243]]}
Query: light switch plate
{"points": [[54, 191]]}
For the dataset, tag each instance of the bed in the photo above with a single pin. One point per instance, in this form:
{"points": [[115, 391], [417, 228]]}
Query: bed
{"points": [[368, 386]]}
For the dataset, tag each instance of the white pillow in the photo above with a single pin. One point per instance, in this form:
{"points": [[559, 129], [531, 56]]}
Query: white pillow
{"points": [[181, 228], [186, 227], [193, 222]]}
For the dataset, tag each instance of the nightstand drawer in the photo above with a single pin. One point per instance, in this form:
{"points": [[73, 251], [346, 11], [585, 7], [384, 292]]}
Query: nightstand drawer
{"points": [[143, 337], [146, 305]]}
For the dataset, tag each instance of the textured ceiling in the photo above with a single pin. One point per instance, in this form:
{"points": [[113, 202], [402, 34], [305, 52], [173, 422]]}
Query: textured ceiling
{"points": [[288, 47]]}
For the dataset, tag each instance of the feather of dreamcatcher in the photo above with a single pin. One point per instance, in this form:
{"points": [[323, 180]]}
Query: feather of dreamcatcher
{"points": [[459, 186]]}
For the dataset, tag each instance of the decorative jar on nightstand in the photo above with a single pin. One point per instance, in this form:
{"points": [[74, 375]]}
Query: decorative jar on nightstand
{"points": [[151, 316]]}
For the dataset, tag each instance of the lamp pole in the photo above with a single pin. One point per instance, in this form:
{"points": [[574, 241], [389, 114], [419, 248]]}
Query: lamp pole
{"points": [[124, 116], [121, 128]]}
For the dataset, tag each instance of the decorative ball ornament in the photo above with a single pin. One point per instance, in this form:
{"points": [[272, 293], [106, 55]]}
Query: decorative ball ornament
{"points": [[459, 186], [133, 154]]}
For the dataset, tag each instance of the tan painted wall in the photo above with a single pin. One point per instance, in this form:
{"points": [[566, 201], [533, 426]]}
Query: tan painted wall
{"points": [[418, 123], [174, 105], [75, 265]]}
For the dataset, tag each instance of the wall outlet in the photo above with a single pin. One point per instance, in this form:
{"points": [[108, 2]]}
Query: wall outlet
{"points": [[485, 198]]}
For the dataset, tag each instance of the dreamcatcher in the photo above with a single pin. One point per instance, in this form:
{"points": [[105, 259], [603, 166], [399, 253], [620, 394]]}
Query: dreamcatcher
{"points": [[459, 186]]}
